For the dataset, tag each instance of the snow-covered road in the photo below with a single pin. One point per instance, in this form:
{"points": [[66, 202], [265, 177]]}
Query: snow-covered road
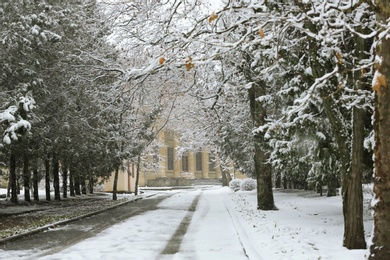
{"points": [[213, 233], [193, 224], [219, 224], [210, 234]]}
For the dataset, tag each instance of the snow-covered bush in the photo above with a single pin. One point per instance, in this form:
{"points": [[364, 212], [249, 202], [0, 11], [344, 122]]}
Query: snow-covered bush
{"points": [[235, 184], [248, 184], [99, 187]]}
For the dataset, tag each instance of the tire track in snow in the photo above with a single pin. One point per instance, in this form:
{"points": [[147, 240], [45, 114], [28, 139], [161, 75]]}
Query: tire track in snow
{"points": [[174, 243]]}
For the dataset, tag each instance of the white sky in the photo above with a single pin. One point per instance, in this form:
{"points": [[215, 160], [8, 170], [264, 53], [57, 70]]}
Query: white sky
{"points": [[308, 227]]}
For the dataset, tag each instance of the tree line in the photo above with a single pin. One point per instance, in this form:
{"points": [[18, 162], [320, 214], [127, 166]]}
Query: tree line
{"points": [[292, 90], [66, 111]]}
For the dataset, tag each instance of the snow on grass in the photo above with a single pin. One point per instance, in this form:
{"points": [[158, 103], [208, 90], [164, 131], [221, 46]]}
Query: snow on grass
{"points": [[306, 226]]}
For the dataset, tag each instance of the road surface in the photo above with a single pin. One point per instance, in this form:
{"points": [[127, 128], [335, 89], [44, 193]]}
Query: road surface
{"points": [[193, 224]]}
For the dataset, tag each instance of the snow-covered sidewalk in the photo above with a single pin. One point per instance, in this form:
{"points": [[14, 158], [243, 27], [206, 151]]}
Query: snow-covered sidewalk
{"points": [[225, 226]]}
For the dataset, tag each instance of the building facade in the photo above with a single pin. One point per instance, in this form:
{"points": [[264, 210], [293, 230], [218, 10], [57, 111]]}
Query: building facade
{"points": [[173, 169]]}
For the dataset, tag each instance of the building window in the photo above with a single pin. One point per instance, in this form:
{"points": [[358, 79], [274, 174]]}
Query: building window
{"points": [[211, 163], [184, 163], [170, 159], [198, 161]]}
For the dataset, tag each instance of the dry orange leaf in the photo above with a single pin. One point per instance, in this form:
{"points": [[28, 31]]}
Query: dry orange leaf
{"points": [[212, 17], [189, 64], [379, 81], [161, 60], [363, 71], [261, 33], [339, 58]]}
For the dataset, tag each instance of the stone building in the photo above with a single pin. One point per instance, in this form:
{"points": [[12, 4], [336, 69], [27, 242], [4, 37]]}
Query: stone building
{"points": [[172, 169]]}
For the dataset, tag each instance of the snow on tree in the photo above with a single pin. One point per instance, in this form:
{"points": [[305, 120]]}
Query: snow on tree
{"points": [[57, 54], [15, 119], [303, 50], [380, 247]]}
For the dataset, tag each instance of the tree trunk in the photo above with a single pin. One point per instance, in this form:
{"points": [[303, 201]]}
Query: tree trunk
{"points": [[12, 178], [91, 183], [26, 178], [137, 175], [380, 248], [225, 178], [17, 184], [71, 182], [64, 180], [77, 183], [332, 183], [47, 178], [9, 187], [263, 173], [352, 187], [278, 181], [319, 184], [35, 181], [228, 177], [284, 178], [83, 186], [352, 182], [56, 178], [265, 198], [115, 185]]}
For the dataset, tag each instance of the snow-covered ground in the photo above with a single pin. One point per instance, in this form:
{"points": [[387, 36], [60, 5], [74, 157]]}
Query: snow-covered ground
{"points": [[225, 225], [306, 226]]}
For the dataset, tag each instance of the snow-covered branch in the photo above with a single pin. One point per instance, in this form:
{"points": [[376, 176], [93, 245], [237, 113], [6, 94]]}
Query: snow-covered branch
{"points": [[14, 120]]}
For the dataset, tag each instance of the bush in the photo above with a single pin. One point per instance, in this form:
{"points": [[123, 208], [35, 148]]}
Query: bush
{"points": [[248, 184], [235, 184]]}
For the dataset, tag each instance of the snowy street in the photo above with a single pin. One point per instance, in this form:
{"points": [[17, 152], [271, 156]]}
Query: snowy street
{"points": [[155, 234], [213, 223]]}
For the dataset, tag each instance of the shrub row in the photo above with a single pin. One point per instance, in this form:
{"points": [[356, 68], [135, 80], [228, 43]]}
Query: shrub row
{"points": [[244, 184]]}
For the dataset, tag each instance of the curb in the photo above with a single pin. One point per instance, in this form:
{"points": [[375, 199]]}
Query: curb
{"points": [[63, 222], [243, 237]]}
